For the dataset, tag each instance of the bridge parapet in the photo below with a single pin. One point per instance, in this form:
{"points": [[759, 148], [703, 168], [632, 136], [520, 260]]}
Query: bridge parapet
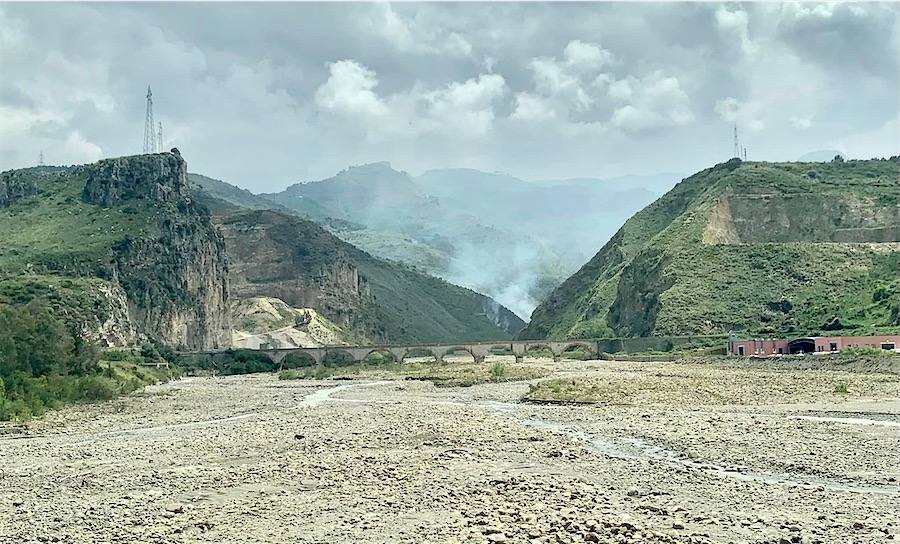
{"points": [[480, 350]]}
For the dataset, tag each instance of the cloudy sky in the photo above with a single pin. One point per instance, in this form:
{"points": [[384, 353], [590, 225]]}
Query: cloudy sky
{"points": [[264, 95]]}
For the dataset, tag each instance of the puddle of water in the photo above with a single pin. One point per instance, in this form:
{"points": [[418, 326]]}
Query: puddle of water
{"points": [[315, 399], [634, 448], [637, 448], [851, 420]]}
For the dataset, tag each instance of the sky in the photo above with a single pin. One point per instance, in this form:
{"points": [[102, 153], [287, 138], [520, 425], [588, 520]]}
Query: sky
{"points": [[266, 95]]}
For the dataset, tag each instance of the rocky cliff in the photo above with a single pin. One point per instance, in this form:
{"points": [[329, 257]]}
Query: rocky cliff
{"points": [[750, 248], [129, 222], [276, 255]]}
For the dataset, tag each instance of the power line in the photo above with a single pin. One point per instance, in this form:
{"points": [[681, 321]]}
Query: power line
{"points": [[149, 126]]}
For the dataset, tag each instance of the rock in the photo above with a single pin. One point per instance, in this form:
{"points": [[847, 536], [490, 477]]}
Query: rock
{"points": [[678, 525], [175, 507], [497, 537]]}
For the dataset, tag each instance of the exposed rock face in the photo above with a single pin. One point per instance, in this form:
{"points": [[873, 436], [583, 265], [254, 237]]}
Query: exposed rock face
{"points": [[177, 284], [116, 329], [161, 177], [264, 265], [177, 281], [18, 184]]}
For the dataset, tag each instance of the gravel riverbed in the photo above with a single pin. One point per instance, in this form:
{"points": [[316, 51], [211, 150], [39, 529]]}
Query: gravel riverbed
{"points": [[692, 454]]}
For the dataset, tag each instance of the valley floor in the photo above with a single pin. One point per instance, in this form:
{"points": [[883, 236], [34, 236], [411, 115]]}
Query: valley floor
{"points": [[692, 453]]}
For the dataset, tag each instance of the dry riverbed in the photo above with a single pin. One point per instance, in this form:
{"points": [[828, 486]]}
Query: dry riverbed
{"points": [[672, 453]]}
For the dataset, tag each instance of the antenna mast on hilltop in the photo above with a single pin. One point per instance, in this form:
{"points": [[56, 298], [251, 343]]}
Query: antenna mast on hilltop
{"points": [[745, 153], [159, 140], [737, 148], [149, 126], [41, 158]]}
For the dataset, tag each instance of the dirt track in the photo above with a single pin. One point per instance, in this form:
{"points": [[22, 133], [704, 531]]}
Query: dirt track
{"points": [[254, 459]]}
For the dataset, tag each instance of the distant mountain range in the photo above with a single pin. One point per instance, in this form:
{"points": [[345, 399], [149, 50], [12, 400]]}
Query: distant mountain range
{"points": [[509, 238], [822, 155]]}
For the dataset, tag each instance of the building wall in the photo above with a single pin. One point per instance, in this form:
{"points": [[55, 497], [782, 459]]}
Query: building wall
{"points": [[770, 346], [824, 344]]}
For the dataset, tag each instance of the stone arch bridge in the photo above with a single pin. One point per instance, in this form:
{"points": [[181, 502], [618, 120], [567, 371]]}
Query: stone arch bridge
{"points": [[479, 350]]}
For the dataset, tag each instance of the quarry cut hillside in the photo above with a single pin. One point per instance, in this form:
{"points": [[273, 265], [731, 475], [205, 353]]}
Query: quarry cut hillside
{"points": [[118, 248], [745, 247], [276, 255]]}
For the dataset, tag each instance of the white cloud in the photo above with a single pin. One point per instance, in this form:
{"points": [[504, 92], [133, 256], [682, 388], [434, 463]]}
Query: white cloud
{"points": [[350, 91], [736, 24], [414, 36], [459, 108], [749, 114], [466, 108], [655, 101], [586, 56], [530, 107], [802, 122]]}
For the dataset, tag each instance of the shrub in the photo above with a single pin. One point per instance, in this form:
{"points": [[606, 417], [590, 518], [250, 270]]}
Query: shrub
{"points": [[289, 374]]}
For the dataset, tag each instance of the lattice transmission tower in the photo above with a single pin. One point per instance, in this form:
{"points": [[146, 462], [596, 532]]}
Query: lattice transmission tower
{"points": [[41, 158], [737, 148], [159, 139], [149, 126]]}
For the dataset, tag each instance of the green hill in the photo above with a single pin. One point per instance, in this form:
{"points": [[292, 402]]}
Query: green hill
{"points": [[118, 248], [278, 255], [754, 248], [126, 249]]}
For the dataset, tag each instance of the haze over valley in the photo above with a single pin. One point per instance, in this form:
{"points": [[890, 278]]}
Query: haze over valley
{"points": [[469, 273]]}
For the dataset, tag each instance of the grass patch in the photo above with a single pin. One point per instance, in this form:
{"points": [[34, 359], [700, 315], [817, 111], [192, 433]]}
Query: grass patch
{"points": [[447, 374], [572, 391]]}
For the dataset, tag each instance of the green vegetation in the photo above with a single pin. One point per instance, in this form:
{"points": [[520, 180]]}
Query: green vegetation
{"points": [[569, 391], [841, 388], [447, 374], [751, 248], [53, 231], [115, 239], [44, 363], [390, 302]]}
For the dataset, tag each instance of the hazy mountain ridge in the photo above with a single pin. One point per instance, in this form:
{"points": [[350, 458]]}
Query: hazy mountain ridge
{"points": [[757, 248], [512, 239]]}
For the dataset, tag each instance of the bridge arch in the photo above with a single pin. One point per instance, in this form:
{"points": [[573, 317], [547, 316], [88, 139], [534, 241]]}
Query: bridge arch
{"points": [[383, 352], [299, 358], [440, 353], [578, 346], [501, 349], [541, 346], [418, 351], [338, 357]]}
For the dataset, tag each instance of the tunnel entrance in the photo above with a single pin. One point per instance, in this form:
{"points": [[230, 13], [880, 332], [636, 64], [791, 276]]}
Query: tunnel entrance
{"points": [[801, 345]]}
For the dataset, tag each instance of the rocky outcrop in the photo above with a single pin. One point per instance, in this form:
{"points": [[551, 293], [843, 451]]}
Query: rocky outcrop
{"points": [[176, 279], [177, 284], [161, 177], [18, 184], [272, 256]]}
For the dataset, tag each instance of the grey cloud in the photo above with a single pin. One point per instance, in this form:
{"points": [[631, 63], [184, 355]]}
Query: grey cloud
{"points": [[236, 84]]}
